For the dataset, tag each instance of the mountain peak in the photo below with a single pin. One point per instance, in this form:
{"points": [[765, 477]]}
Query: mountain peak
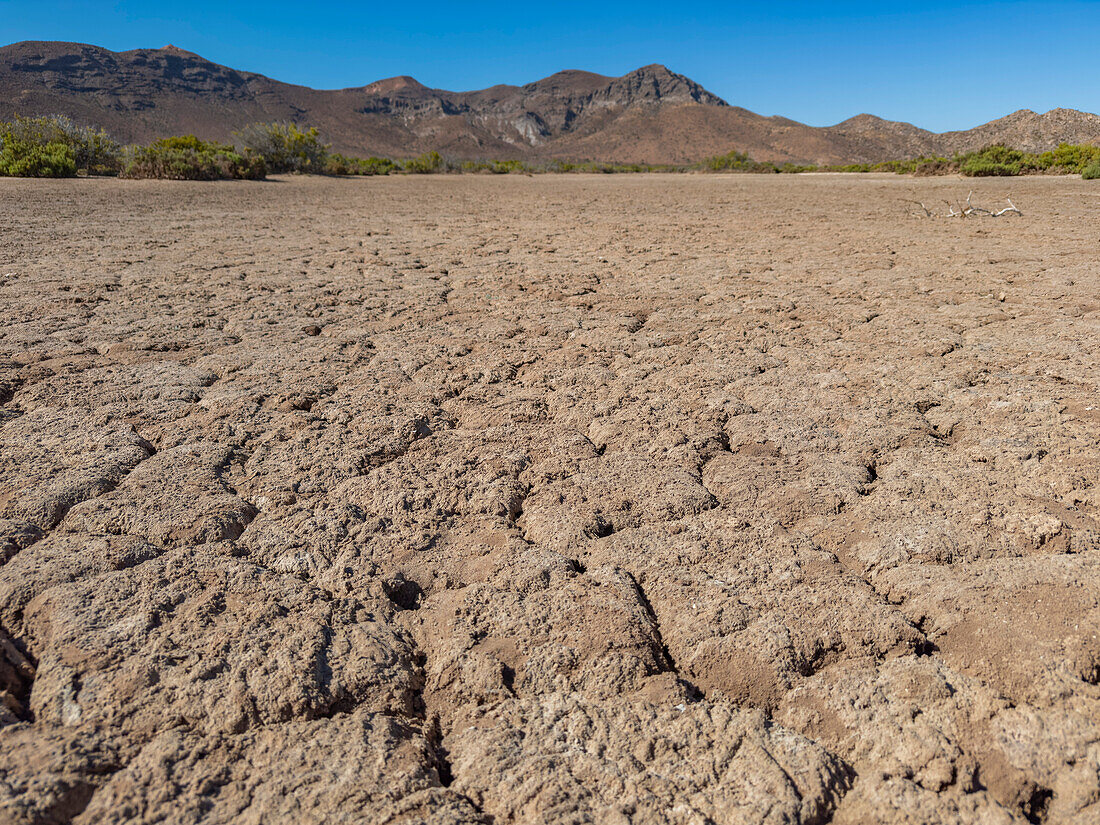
{"points": [[657, 83], [401, 83], [176, 51], [861, 120], [653, 68]]}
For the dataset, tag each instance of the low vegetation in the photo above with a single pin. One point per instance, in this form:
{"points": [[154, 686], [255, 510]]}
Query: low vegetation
{"points": [[189, 158], [23, 159], [55, 146], [284, 147], [426, 164], [336, 164], [992, 161], [740, 162]]}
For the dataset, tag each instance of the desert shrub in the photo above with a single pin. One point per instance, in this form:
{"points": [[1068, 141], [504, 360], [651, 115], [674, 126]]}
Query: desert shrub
{"points": [[33, 143], [927, 167], [736, 162], [979, 168], [496, 167], [377, 166], [997, 160], [1092, 171], [920, 167], [740, 162], [1000, 160], [27, 159], [336, 164], [425, 164], [601, 167], [848, 167], [990, 161], [285, 147], [1069, 158], [189, 158], [923, 167], [508, 167]]}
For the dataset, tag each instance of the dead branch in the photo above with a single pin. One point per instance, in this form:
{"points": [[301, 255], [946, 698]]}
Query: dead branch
{"points": [[957, 210], [971, 209]]}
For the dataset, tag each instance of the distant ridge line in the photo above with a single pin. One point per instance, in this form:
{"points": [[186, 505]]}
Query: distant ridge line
{"points": [[650, 115]]}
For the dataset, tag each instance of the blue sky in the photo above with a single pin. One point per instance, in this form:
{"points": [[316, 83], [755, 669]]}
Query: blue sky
{"points": [[937, 64]]}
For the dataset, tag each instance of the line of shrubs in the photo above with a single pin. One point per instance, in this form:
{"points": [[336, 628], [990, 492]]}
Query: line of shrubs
{"points": [[55, 146], [995, 161], [188, 158], [1067, 159]]}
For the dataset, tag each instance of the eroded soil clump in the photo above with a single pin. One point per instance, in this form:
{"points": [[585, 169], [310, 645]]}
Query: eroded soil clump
{"points": [[566, 499]]}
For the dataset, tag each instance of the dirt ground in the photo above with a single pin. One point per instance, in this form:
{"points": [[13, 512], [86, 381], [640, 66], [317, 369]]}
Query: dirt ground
{"points": [[621, 499]]}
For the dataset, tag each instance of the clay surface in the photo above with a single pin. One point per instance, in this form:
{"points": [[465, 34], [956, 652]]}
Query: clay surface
{"points": [[639, 499]]}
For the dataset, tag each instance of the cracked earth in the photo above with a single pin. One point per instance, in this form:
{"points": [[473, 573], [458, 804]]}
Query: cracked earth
{"points": [[638, 499]]}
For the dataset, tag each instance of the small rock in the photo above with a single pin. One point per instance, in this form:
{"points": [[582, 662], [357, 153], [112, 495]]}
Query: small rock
{"points": [[312, 330]]}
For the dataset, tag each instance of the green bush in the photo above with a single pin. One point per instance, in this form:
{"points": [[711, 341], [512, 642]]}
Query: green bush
{"points": [[995, 161], [508, 167], [927, 167], [26, 159], [1092, 171], [285, 147], [425, 164], [496, 167], [31, 143], [336, 164], [189, 158], [740, 162], [1069, 159], [599, 167], [920, 167], [736, 162]]}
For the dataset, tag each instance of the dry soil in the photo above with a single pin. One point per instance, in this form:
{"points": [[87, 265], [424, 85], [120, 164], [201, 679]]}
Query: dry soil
{"points": [[635, 499]]}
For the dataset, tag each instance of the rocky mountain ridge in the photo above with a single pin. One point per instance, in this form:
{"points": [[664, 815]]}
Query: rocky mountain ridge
{"points": [[649, 115]]}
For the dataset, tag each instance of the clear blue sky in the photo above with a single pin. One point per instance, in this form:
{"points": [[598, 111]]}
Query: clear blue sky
{"points": [[937, 64]]}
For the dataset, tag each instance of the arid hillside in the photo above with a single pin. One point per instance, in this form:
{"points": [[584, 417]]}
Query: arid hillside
{"points": [[649, 115]]}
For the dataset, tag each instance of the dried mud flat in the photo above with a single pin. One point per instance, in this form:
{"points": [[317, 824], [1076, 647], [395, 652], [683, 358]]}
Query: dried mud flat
{"points": [[638, 499]]}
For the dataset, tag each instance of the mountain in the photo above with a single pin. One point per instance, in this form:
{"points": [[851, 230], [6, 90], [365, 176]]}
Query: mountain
{"points": [[1023, 129], [649, 115]]}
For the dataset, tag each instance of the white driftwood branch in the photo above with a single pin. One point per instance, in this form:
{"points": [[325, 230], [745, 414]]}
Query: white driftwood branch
{"points": [[957, 210], [1010, 208], [974, 210]]}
